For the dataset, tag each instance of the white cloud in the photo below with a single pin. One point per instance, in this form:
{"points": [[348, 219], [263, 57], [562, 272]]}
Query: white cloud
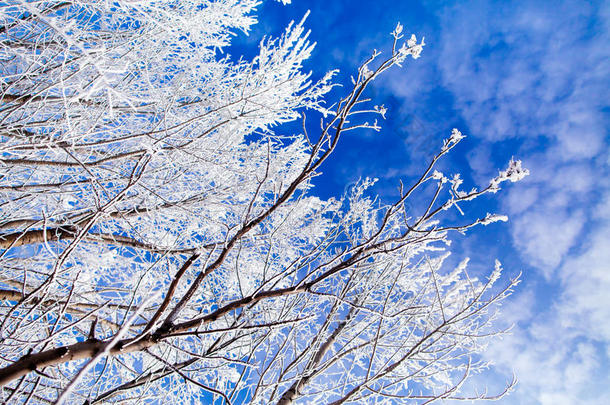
{"points": [[545, 237], [585, 301], [602, 210], [575, 178], [549, 212], [536, 77], [579, 132], [527, 73], [561, 353], [519, 200]]}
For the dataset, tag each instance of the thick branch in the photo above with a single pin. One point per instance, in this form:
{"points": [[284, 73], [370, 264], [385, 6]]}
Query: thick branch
{"points": [[76, 351]]}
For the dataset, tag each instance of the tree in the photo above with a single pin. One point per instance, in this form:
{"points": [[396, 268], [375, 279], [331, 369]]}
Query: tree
{"points": [[160, 241]]}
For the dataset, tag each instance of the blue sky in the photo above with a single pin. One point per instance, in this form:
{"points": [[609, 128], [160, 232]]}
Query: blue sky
{"points": [[528, 79]]}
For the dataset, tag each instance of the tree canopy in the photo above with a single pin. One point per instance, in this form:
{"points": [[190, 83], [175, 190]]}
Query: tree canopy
{"points": [[160, 239]]}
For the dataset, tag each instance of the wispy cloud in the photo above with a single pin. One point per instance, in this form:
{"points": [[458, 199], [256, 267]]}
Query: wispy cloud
{"points": [[561, 352], [536, 78]]}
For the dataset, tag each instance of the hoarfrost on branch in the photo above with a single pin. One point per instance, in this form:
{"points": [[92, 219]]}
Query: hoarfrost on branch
{"points": [[159, 239]]}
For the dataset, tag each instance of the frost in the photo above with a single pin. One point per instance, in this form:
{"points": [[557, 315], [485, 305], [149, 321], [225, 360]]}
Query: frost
{"points": [[410, 47], [495, 275], [456, 182], [416, 50], [463, 264], [514, 173], [436, 175], [68, 202], [381, 110], [145, 174], [456, 136], [454, 139], [412, 41], [397, 30], [366, 72], [491, 218]]}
